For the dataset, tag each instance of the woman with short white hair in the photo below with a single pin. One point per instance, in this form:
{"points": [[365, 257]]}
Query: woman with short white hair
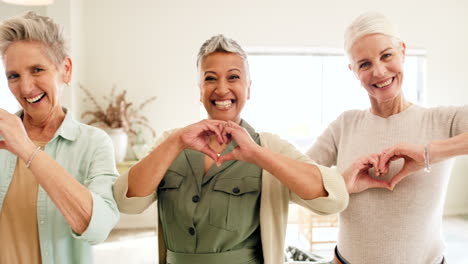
{"points": [[222, 188], [56, 174], [379, 225]]}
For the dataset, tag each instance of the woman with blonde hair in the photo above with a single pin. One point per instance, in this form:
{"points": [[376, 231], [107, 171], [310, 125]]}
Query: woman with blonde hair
{"points": [[56, 174], [402, 225]]}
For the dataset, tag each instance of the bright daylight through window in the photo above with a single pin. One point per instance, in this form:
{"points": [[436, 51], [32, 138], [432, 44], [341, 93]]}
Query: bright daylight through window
{"points": [[296, 95], [7, 100]]}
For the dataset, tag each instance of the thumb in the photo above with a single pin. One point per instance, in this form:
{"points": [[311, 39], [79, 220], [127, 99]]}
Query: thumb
{"points": [[397, 178], [226, 157], [210, 152], [374, 183]]}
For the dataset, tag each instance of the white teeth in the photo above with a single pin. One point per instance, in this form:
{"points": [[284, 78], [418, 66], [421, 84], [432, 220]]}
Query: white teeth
{"points": [[35, 99], [380, 85], [223, 104]]}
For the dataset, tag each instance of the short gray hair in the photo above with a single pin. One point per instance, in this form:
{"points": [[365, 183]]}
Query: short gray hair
{"points": [[370, 23], [220, 43], [32, 27]]}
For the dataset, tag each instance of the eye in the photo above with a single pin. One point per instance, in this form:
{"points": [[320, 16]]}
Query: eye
{"points": [[364, 65], [233, 77], [387, 56], [37, 70], [12, 76], [210, 78]]}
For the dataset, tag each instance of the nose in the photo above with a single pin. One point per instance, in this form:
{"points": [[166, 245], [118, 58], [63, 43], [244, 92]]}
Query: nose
{"points": [[222, 88], [26, 85], [379, 70]]}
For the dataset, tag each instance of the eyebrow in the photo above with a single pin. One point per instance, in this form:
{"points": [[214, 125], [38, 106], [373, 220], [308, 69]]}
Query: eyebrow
{"points": [[230, 70], [209, 72], [380, 53], [385, 50], [30, 67]]}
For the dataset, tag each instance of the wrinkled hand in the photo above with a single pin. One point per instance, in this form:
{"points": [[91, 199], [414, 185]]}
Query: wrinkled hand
{"points": [[412, 154], [197, 136], [15, 138], [357, 177], [246, 146]]}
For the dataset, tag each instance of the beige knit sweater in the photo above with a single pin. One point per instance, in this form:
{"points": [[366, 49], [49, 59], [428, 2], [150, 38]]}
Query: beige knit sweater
{"points": [[274, 199], [381, 226]]}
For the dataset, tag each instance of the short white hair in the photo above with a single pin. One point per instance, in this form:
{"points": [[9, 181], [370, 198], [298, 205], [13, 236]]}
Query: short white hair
{"points": [[220, 43], [370, 23], [32, 27]]}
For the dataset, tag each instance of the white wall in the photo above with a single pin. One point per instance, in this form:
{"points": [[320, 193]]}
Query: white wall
{"points": [[9, 10], [149, 48]]}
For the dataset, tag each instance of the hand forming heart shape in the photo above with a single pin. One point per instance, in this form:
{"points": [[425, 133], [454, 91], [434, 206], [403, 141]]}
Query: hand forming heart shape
{"points": [[358, 178]]}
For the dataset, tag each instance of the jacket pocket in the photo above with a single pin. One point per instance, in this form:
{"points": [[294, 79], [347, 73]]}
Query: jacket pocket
{"points": [[234, 202], [168, 193]]}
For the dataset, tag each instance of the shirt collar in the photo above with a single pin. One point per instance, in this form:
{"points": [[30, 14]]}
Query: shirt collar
{"points": [[67, 130], [247, 127]]}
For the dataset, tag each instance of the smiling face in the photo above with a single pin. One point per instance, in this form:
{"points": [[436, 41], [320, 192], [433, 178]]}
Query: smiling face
{"points": [[34, 79], [378, 65], [224, 86]]}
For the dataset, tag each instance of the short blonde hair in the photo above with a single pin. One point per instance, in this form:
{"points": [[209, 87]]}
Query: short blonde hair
{"points": [[32, 27], [367, 24]]}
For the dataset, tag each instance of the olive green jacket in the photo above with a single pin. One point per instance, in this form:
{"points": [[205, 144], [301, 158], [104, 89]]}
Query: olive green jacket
{"points": [[274, 201]]}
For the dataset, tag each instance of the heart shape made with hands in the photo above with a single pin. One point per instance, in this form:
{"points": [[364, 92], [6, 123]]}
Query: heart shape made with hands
{"points": [[225, 133], [212, 141], [407, 157]]}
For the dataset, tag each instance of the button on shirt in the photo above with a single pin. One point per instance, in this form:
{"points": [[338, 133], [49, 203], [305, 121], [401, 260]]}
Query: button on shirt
{"points": [[86, 153], [216, 212]]}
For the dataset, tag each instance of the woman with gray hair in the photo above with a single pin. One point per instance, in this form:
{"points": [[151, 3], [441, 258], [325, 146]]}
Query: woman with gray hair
{"points": [[56, 174], [402, 225], [222, 188]]}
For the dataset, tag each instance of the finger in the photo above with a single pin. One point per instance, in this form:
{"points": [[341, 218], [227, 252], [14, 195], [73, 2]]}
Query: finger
{"points": [[221, 127], [228, 156], [215, 129], [385, 157], [3, 112], [387, 165], [373, 161], [374, 183], [398, 178], [233, 124], [210, 152], [230, 133], [3, 144], [223, 133]]}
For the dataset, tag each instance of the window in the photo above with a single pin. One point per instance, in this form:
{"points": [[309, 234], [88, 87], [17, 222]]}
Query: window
{"points": [[7, 100], [297, 94]]}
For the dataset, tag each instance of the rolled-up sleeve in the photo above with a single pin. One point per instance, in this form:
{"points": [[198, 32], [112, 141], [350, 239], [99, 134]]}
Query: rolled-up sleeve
{"points": [[337, 199], [135, 205], [100, 178], [130, 205]]}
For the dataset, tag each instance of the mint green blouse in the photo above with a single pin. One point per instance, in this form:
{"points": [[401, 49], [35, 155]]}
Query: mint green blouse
{"points": [[86, 153]]}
